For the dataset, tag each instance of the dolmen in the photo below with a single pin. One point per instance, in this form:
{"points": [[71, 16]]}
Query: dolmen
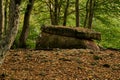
{"points": [[64, 37]]}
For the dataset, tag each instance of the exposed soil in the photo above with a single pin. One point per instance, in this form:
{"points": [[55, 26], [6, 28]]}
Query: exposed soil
{"points": [[57, 64]]}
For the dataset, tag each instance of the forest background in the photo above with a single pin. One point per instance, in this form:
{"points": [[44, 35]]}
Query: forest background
{"points": [[100, 15]]}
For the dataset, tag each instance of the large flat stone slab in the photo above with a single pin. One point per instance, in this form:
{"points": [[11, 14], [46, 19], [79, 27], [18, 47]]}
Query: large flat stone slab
{"points": [[64, 37], [80, 33]]}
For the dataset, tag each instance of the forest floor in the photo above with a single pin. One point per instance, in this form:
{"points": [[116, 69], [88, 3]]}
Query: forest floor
{"points": [[60, 64]]}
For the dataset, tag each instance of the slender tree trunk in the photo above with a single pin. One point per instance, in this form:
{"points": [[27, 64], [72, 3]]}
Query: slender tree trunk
{"points": [[6, 16], [25, 29], [54, 9], [77, 13], [52, 16], [87, 12], [65, 13], [50, 6], [59, 9], [91, 13], [1, 18], [5, 43], [56, 12]]}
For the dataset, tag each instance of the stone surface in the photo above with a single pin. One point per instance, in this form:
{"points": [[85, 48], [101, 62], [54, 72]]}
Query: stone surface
{"points": [[67, 38], [78, 32], [50, 41]]}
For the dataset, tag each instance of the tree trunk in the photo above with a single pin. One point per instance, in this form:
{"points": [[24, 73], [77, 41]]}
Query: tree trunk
{"points": [[65, 13], [50, 6], [54, 9], [56, 12], [51, 15], [5, 43], [6, 16], [89, 13], [77, 13], [25, 30], [1, 18]]}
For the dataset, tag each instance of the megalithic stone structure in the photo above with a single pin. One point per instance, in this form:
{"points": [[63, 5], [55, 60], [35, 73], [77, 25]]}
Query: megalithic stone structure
{"points": [[64, 37]]}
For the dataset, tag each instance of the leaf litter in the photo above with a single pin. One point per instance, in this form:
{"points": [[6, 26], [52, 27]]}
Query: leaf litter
{"points": [[61, 64]]}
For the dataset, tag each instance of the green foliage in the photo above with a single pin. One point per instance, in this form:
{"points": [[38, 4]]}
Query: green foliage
{"points": [[33, 33], [106, 20], [110, 33]]}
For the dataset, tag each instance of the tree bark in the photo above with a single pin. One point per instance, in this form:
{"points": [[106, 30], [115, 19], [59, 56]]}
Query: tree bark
{"points": [[50, 6], [52, 16], [25, 29], [5, 43], [56, 12], [54, 9], [89, 13], [6, 16], [1, 18], [77, 13], [65, 13]]}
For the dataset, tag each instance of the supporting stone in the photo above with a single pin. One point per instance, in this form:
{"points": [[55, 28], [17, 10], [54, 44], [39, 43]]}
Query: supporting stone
{"points": [[67, 38]]}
